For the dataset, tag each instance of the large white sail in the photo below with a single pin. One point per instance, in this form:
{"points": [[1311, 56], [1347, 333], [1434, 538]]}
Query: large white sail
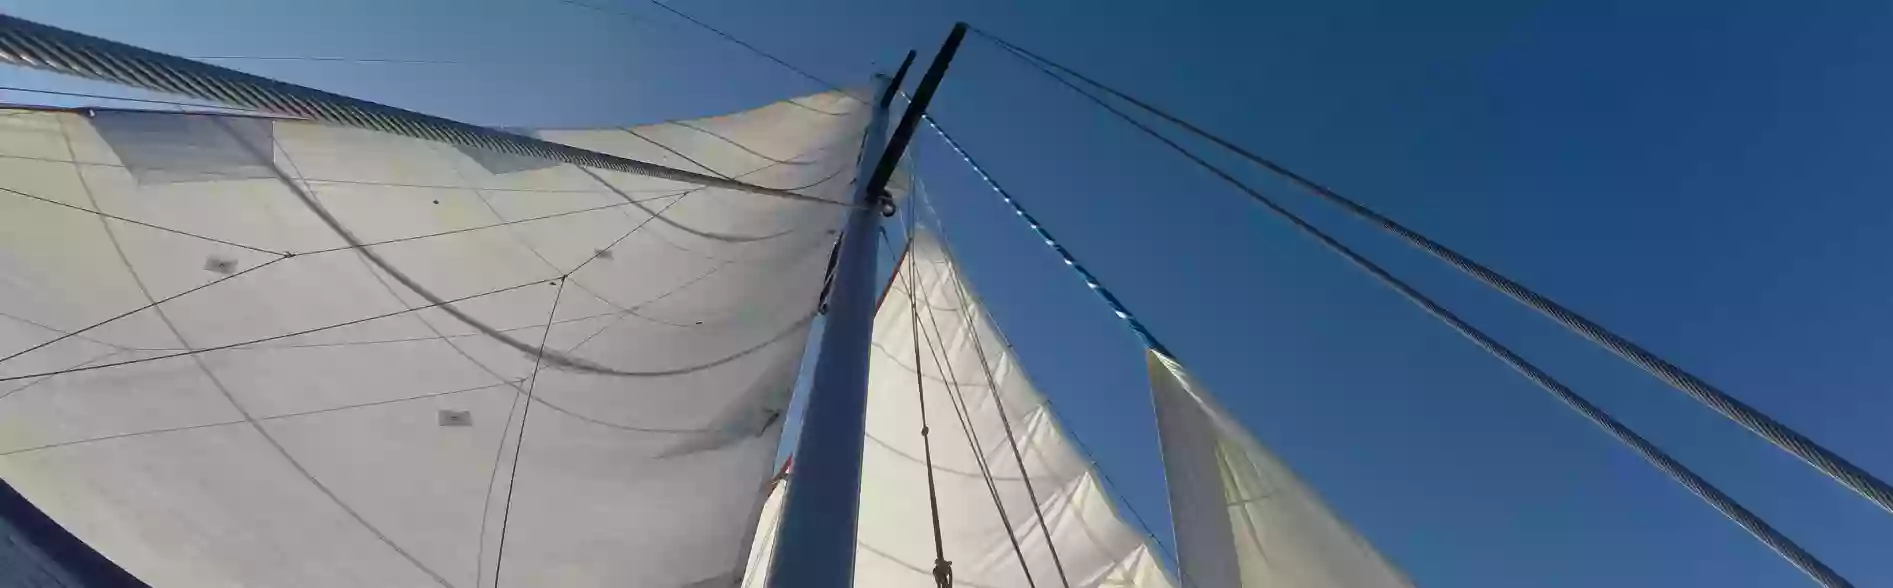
{"points": [[1094, 545], [201, 447], [1242, 519]]}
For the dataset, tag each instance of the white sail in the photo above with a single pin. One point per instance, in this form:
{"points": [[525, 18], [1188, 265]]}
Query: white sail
{"points": [[1241, 517], [1094, 545], [205, 448]]}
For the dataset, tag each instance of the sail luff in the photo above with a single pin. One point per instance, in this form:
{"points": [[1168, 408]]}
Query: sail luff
{"points": [[1242, 517], [1094, 541], [1205, 537]]}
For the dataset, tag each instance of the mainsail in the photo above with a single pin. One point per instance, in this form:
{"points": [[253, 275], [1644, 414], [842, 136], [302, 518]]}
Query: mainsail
{"points": [[1000, 523], [1241, 517], [244, 351]]}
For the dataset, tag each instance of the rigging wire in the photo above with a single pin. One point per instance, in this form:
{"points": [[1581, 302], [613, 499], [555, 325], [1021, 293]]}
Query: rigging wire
{"points": [[1815, 455], [942, 569], [936, 344], [153, 304], [1097, 288], [142, 223], [752, 48], [322, 58], [1091, 280], [607, 10], [992, 389], [268, 338], [519, 440], [720, 33], [1781, 544]]}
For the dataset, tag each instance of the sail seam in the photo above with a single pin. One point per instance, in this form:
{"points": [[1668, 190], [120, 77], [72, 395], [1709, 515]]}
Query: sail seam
{"points": [[239, 422]]}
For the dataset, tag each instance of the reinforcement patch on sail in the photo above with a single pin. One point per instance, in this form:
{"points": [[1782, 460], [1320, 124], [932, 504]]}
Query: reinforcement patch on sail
{"points": [[164, 147], [496, 162]]}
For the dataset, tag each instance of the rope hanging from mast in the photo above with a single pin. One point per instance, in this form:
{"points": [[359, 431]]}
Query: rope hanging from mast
{"points": [[1090, 457], [1012, 442], [942, 569], [1756, 527], [935, 345], [1822, 459]]}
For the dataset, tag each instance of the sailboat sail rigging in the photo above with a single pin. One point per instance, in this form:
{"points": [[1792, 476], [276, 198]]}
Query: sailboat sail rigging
{"points": [[348, 344], [391, 428], [1243, 519], [1019, 504]]}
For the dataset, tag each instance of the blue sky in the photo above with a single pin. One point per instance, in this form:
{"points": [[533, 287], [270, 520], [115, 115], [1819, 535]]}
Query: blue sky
{"points": [[1708, 178]]}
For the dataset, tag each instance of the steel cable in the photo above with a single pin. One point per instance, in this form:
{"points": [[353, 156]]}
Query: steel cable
{"points": [[1828, 462]]}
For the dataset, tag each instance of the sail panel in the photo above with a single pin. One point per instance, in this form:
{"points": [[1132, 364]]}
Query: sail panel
{"points": [[970, 378], [1242, 517], [392, 450]]}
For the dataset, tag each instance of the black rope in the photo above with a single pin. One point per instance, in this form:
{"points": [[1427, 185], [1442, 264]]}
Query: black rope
{"points": [[992, 388], [1111, 486], [942, 569], [1782, 545], [1822, 459], [936, 344], [519, 440]]}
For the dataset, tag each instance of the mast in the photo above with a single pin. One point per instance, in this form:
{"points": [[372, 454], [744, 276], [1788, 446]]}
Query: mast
{"points": [[816, 546]]}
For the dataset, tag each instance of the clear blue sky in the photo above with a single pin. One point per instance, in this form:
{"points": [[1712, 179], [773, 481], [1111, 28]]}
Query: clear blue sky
{"points": [[1710, 178]]}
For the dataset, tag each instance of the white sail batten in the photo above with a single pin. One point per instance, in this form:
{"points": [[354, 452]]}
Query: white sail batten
{"points": [[225, 431], [1242, 519], [1095, 545]]}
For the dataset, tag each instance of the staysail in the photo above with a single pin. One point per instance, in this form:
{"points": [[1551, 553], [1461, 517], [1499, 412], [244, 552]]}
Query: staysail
{"points": [[1242, 519], [244, 351], [978, 404]]}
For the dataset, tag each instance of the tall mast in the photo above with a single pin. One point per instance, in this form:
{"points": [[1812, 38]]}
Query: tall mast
{"points": [[816, 544]]}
